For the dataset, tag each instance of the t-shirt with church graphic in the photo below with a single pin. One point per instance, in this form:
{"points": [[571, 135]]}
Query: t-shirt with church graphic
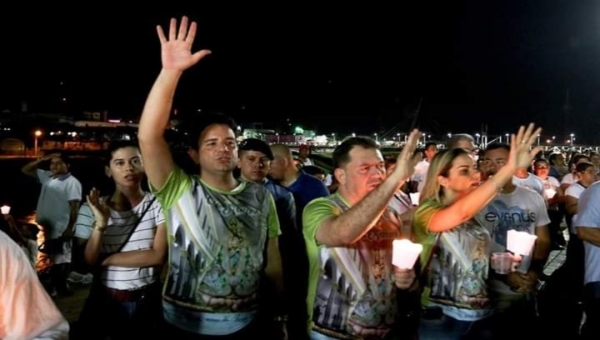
{"points": [[521, 210], [217, 242], [351, 292], [458, 261]]}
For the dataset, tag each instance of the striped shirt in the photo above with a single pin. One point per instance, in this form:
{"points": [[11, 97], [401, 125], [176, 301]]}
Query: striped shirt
{"points": [[118, 228]]}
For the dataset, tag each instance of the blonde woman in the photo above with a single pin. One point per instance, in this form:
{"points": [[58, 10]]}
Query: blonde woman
{"points": [[455, 258]]}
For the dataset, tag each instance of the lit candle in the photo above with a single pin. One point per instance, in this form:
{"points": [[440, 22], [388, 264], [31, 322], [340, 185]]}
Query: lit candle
{"points": [[405, 253], [414, 197], [5, 209], [520, 242]]}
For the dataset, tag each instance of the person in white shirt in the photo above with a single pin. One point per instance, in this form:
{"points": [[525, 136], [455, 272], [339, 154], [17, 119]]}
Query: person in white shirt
{"points": [[418, 178], [56, 212], [26, 309]]}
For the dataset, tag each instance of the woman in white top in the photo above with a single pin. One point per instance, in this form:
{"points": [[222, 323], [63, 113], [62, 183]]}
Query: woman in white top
{"points": [[127, 244]]}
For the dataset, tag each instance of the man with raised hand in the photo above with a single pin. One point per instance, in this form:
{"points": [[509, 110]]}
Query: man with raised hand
{"points": [[222, 232], [353, 287]]}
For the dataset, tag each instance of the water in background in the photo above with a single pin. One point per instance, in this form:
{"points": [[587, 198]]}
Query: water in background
{"points": [[21, 192]]}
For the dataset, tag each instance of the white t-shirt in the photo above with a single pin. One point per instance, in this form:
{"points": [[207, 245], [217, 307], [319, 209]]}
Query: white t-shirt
{"points": [[420, 174], [53, 210], [521, 210]]}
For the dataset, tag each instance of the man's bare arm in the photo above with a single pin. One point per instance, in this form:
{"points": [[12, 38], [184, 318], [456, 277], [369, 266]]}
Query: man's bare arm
{"points": [[30, 168], [350, 226], [542, 244], [176, 57], [158, 161]]}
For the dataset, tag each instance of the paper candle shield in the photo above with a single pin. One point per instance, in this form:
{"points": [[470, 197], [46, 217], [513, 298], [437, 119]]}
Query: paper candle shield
{"points": [[550, 193], [414, 197], [520, 242], [5, 209], [405, 253]]}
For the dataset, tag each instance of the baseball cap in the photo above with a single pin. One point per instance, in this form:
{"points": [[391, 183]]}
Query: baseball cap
{"points": [[253, 144]]}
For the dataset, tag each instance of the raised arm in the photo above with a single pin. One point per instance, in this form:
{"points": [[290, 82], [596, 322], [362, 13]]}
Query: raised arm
{"points": [[30, 169], [355, 222], [466, 207], [176, 57]]}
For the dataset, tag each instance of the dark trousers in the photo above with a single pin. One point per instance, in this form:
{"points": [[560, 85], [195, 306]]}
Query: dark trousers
{"points": [[58, 277], [556, 235], [104, 317]]}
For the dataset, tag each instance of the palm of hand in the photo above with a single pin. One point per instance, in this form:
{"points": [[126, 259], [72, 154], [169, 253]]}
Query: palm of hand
{"points": [[176, 55], [523, 156], [101, 211], [98, 206]]}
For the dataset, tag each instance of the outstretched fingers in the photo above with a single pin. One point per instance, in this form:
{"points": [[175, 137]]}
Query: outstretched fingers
{"points": [[172, 29], [191, 34], [161, 35], [182, 28]]}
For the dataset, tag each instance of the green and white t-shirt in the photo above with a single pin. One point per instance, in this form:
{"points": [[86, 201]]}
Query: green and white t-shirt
{"points": [[351, 289], [458, 269], [217, 242]]}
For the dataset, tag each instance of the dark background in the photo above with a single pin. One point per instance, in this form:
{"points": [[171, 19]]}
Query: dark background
{"points": [[334, 67]]}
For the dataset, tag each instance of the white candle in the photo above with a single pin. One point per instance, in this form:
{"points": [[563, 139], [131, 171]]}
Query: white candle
{"points": [[5, 209], [520, 242], [414, 197], [550, 193], [405, 253]]}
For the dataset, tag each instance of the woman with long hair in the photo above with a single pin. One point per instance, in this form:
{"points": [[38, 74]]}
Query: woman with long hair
{"points": [[456, 248]]}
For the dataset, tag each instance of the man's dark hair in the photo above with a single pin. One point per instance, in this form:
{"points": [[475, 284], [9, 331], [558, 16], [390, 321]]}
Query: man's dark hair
{"points": [[496, 146], [428, 144], [195, 126], [341, 154]]}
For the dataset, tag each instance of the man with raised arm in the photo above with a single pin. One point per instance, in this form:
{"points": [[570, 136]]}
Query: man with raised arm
{"points": [[218, 228], [353, 286]]}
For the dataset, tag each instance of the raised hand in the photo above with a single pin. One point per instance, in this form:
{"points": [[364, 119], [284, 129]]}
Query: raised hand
{"points": [[521, 153], [176, 51], [405, 165], [99, 207], [50, 156]]}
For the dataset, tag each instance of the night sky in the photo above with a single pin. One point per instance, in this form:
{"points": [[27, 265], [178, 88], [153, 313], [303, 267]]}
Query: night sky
{"points": [[500, 63]]}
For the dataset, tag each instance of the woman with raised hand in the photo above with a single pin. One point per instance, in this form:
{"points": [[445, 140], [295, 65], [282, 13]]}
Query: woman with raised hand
{"points": [[456, 248], [127, 246]]}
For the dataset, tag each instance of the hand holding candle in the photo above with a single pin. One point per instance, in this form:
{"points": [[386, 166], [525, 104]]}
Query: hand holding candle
{"points": [[520, 242], [405, 253]]}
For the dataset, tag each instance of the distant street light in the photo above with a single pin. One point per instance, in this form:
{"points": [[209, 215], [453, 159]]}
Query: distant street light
{"points": [[572, 138], [37, 134]]}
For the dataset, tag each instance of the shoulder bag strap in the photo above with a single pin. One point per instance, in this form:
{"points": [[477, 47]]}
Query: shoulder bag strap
{"points": [[136, 224]]}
